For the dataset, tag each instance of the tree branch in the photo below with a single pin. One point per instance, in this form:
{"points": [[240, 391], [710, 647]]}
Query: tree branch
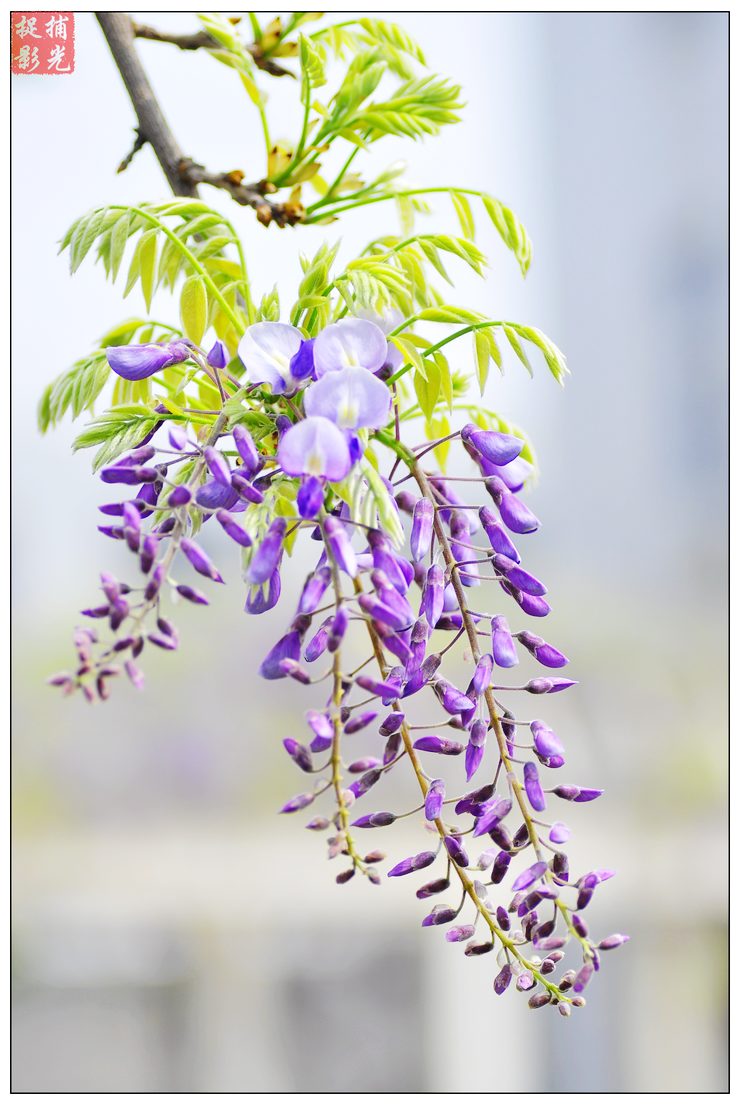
{"points": [[183, 173], [201, 40]]}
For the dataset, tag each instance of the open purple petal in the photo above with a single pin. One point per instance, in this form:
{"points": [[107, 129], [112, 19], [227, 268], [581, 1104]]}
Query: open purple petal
{"points": [[315, 447], [351, 398], [351, 341]]}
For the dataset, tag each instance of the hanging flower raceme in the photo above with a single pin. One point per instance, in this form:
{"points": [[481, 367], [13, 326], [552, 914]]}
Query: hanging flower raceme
{"points": [[393, 568]]}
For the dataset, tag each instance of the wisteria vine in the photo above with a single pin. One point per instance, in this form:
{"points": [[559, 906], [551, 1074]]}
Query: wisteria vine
{"points": [[296, 435]]}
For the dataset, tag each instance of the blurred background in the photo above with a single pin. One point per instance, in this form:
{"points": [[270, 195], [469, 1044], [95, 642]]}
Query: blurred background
{"points": [[171, 932]]}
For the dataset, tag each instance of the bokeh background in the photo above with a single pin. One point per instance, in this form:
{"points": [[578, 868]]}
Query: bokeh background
{"points": [[171, 932]]}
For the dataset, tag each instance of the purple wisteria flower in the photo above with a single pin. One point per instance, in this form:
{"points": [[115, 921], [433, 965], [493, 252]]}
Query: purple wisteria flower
{"points": [[350, 342], [352, 398], [272, 354], [136, 362], [315, 447]]}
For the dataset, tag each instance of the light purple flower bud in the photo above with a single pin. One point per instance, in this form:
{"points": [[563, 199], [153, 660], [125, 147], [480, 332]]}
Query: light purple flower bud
{"points": [[495, 447], [582, 978], [504, 651], [338, 628], [310, 497], [135, 674], [313, 590], [355, 724], [178, 437], [367, 763], [181, 496], [192, 594], [318, 644], [298, 803], [614, 941], [432, 601], [514, 514], [218, 355], [212, 495], [482, 675], [268, 553], [200, 560], [441, 745], [559, 833], [456, 851], [218, 466], [247, 450], [545, 654], [230, 526], [498, 537], [459, 933], [498, 809], [434, 798], [413, 863], [323, 728], [340, 546], [136, 362], [422, 529], [546, 743], [294, 670], [380, 612], [549, 686], [529, 876], [533, 787], [288, 647], [452, 699], [473, 759]]}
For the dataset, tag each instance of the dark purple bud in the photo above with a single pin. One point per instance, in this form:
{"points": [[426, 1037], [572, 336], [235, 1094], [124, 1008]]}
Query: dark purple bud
{"points": [[537, 1001], [422, 529], [162, 641], [298, 753], [459, 933], [442, 745], [244, 489], [413, 863], [391, 724], [267, 554], [181, 496], [392, 748], [298, 803], [473, 759], [614, 941], [310, 497], [498, 537], [247, 450], [496, 447], [154, 584], [500, 867], [367, 763], [440, 915], [502, 918], [544, 653], [502, 979], [434, 799], [122, 474], [200, 560], [338, 628], [340, 546], [218, 355], [456, 851], [572, 793], [374, 821], [560, 866], [218, 466], [429, 889]]}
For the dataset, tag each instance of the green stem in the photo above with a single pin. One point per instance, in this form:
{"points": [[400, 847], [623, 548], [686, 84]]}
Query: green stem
{"points": [[351, 204]]}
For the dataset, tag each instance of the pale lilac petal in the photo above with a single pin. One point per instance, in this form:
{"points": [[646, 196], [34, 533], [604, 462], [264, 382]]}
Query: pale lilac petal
{"points": [[266, 351], [351, 398], [315, 447], [351, 341]]}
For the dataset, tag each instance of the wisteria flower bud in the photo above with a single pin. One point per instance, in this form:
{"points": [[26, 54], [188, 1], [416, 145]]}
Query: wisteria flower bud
{"points": [[440, 915], [545, 654], [374, 821], [340, 546], [502, 642], [218, 466], [441, 745], [498, 538], [355, 724], [459, 933], [391, 724], [422, 529], [456, 851], [434, 798], [313, 590], [298, 803], [502, 979], [496, 447], [218, 355], [180, 496], [572, 793], [268, 552], [548, 686], [192, 594], [559, 833], [413, 863], [298, 754], [200, 561], [452, 699], [614, 941], [482, 674], [247, 450]]}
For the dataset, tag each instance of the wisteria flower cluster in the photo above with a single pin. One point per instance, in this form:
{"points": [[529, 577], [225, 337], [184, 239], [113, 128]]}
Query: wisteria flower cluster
{"points": [[300, 434]]}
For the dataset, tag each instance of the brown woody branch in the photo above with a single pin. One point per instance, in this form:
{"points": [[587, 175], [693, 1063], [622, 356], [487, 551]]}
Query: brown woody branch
{"points": [[201, 40], [183, 173]]}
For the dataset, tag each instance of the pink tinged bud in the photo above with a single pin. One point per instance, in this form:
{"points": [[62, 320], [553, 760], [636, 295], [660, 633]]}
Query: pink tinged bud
{"points": [[413, 863], [247, 450], [459, 933], [230, 526], [533, 787], [502, 979], [218, 466], [267, 555], [434, 799], [614, 941], [298, 803], [482, 675], [504, 651], [298, 754], [456, 852], [559, 833], [525, 981], [441, 745], [181, 496], [200, 561], [422, 529]]}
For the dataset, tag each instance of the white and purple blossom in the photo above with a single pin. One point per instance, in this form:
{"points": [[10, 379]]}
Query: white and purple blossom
{"points": [[351, 342]]}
